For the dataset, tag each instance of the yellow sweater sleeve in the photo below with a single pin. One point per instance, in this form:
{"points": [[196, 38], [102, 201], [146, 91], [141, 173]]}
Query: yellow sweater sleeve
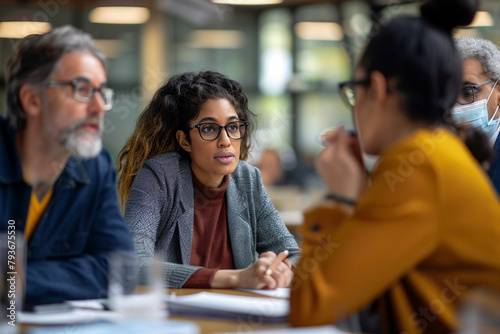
{"points": [[347, 262]]}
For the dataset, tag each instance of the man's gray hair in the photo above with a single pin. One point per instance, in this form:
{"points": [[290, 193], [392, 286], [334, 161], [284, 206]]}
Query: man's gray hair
{"points": [[484, 51], [36, 59]]}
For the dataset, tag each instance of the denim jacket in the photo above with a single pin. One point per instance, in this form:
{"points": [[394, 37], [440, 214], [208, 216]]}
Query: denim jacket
{"points": [[67, 253]]}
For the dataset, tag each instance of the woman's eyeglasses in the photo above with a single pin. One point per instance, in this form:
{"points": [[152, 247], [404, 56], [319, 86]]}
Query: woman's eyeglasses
{"points": [[346, 89], [211, 131]]}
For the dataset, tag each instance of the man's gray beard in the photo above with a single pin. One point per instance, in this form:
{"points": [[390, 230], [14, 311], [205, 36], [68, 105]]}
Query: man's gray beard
{"points": [[80, 144]]}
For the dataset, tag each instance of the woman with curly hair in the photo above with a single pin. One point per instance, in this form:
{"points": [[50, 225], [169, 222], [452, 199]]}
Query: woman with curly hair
{"points": [[190, 199]]}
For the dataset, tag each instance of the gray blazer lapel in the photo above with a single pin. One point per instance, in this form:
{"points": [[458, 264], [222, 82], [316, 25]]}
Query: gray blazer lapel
{"points": [[186, 214], [240, 232]]}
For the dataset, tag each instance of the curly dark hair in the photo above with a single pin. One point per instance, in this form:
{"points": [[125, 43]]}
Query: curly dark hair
{"points": [[174, 105]]}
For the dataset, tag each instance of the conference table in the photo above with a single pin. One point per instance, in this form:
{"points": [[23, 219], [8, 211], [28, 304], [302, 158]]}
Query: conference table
{"points": [[208, 326], [212, 325]]}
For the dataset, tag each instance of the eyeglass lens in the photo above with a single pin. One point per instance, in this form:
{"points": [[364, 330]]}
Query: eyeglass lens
{"points": [[466, 95], [348, 93], [84, 91]]}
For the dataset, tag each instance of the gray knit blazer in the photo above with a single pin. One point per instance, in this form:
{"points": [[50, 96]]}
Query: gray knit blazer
{"points": [[160, 214]]}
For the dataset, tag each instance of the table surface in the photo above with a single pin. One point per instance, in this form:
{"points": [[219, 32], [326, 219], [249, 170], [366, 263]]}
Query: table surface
{"points": [[208, 326]]}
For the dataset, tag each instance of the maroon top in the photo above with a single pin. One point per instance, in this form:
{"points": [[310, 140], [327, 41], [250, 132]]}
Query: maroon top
{"points": [[211, 247]]}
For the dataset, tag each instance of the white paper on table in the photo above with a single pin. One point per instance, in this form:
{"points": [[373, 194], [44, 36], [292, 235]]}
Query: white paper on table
{"points": [[93, 304], [277, 293], [300, 330], [75, 316], [212, 303], [125, 327]]}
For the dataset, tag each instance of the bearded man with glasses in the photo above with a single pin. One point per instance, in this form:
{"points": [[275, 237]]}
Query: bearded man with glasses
{"points": [[478, 103], [57, 183]]}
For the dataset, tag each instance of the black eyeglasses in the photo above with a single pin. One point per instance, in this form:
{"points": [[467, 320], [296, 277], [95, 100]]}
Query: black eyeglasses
{"points": [[346, 89], [211, 131], [83, 91], [468, 93]]}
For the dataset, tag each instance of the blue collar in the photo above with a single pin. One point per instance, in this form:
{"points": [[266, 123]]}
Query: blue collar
{"points": [[10, 168]]}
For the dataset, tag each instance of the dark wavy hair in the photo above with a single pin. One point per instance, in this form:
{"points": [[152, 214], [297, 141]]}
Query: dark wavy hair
{"points": [[421, 57], [173, 106]]}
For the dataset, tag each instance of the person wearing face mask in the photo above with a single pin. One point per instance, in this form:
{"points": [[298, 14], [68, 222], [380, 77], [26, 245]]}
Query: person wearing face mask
{"points": [[479, 98], [423, 233]]}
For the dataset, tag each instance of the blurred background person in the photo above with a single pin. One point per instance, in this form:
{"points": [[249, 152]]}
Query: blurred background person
{"points": [[270, 168]]}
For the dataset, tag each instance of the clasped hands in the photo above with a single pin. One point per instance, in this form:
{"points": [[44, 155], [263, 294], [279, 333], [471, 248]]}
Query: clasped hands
{"points": [[262, 275]]}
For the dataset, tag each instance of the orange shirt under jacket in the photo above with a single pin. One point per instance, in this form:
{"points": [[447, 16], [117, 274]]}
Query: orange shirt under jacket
{"points": [[426, 232]]}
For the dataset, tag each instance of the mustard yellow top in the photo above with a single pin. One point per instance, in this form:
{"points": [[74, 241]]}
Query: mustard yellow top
{"points": [[35, 212], [426, 232]]}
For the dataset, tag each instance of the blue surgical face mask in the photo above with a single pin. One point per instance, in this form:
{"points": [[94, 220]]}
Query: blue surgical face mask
{"points": [[476, 114]]}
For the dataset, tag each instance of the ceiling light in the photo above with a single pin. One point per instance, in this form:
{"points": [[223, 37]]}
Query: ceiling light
{"points": [[21, 29], [217, 39], [482, 19], [325, 31], [119, 15], [248, 2]]}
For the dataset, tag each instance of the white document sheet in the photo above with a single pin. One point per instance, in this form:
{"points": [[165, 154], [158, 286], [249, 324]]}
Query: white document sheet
{"points": [[300, 330], [277, 293], [75, 316], [217, 305]]}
